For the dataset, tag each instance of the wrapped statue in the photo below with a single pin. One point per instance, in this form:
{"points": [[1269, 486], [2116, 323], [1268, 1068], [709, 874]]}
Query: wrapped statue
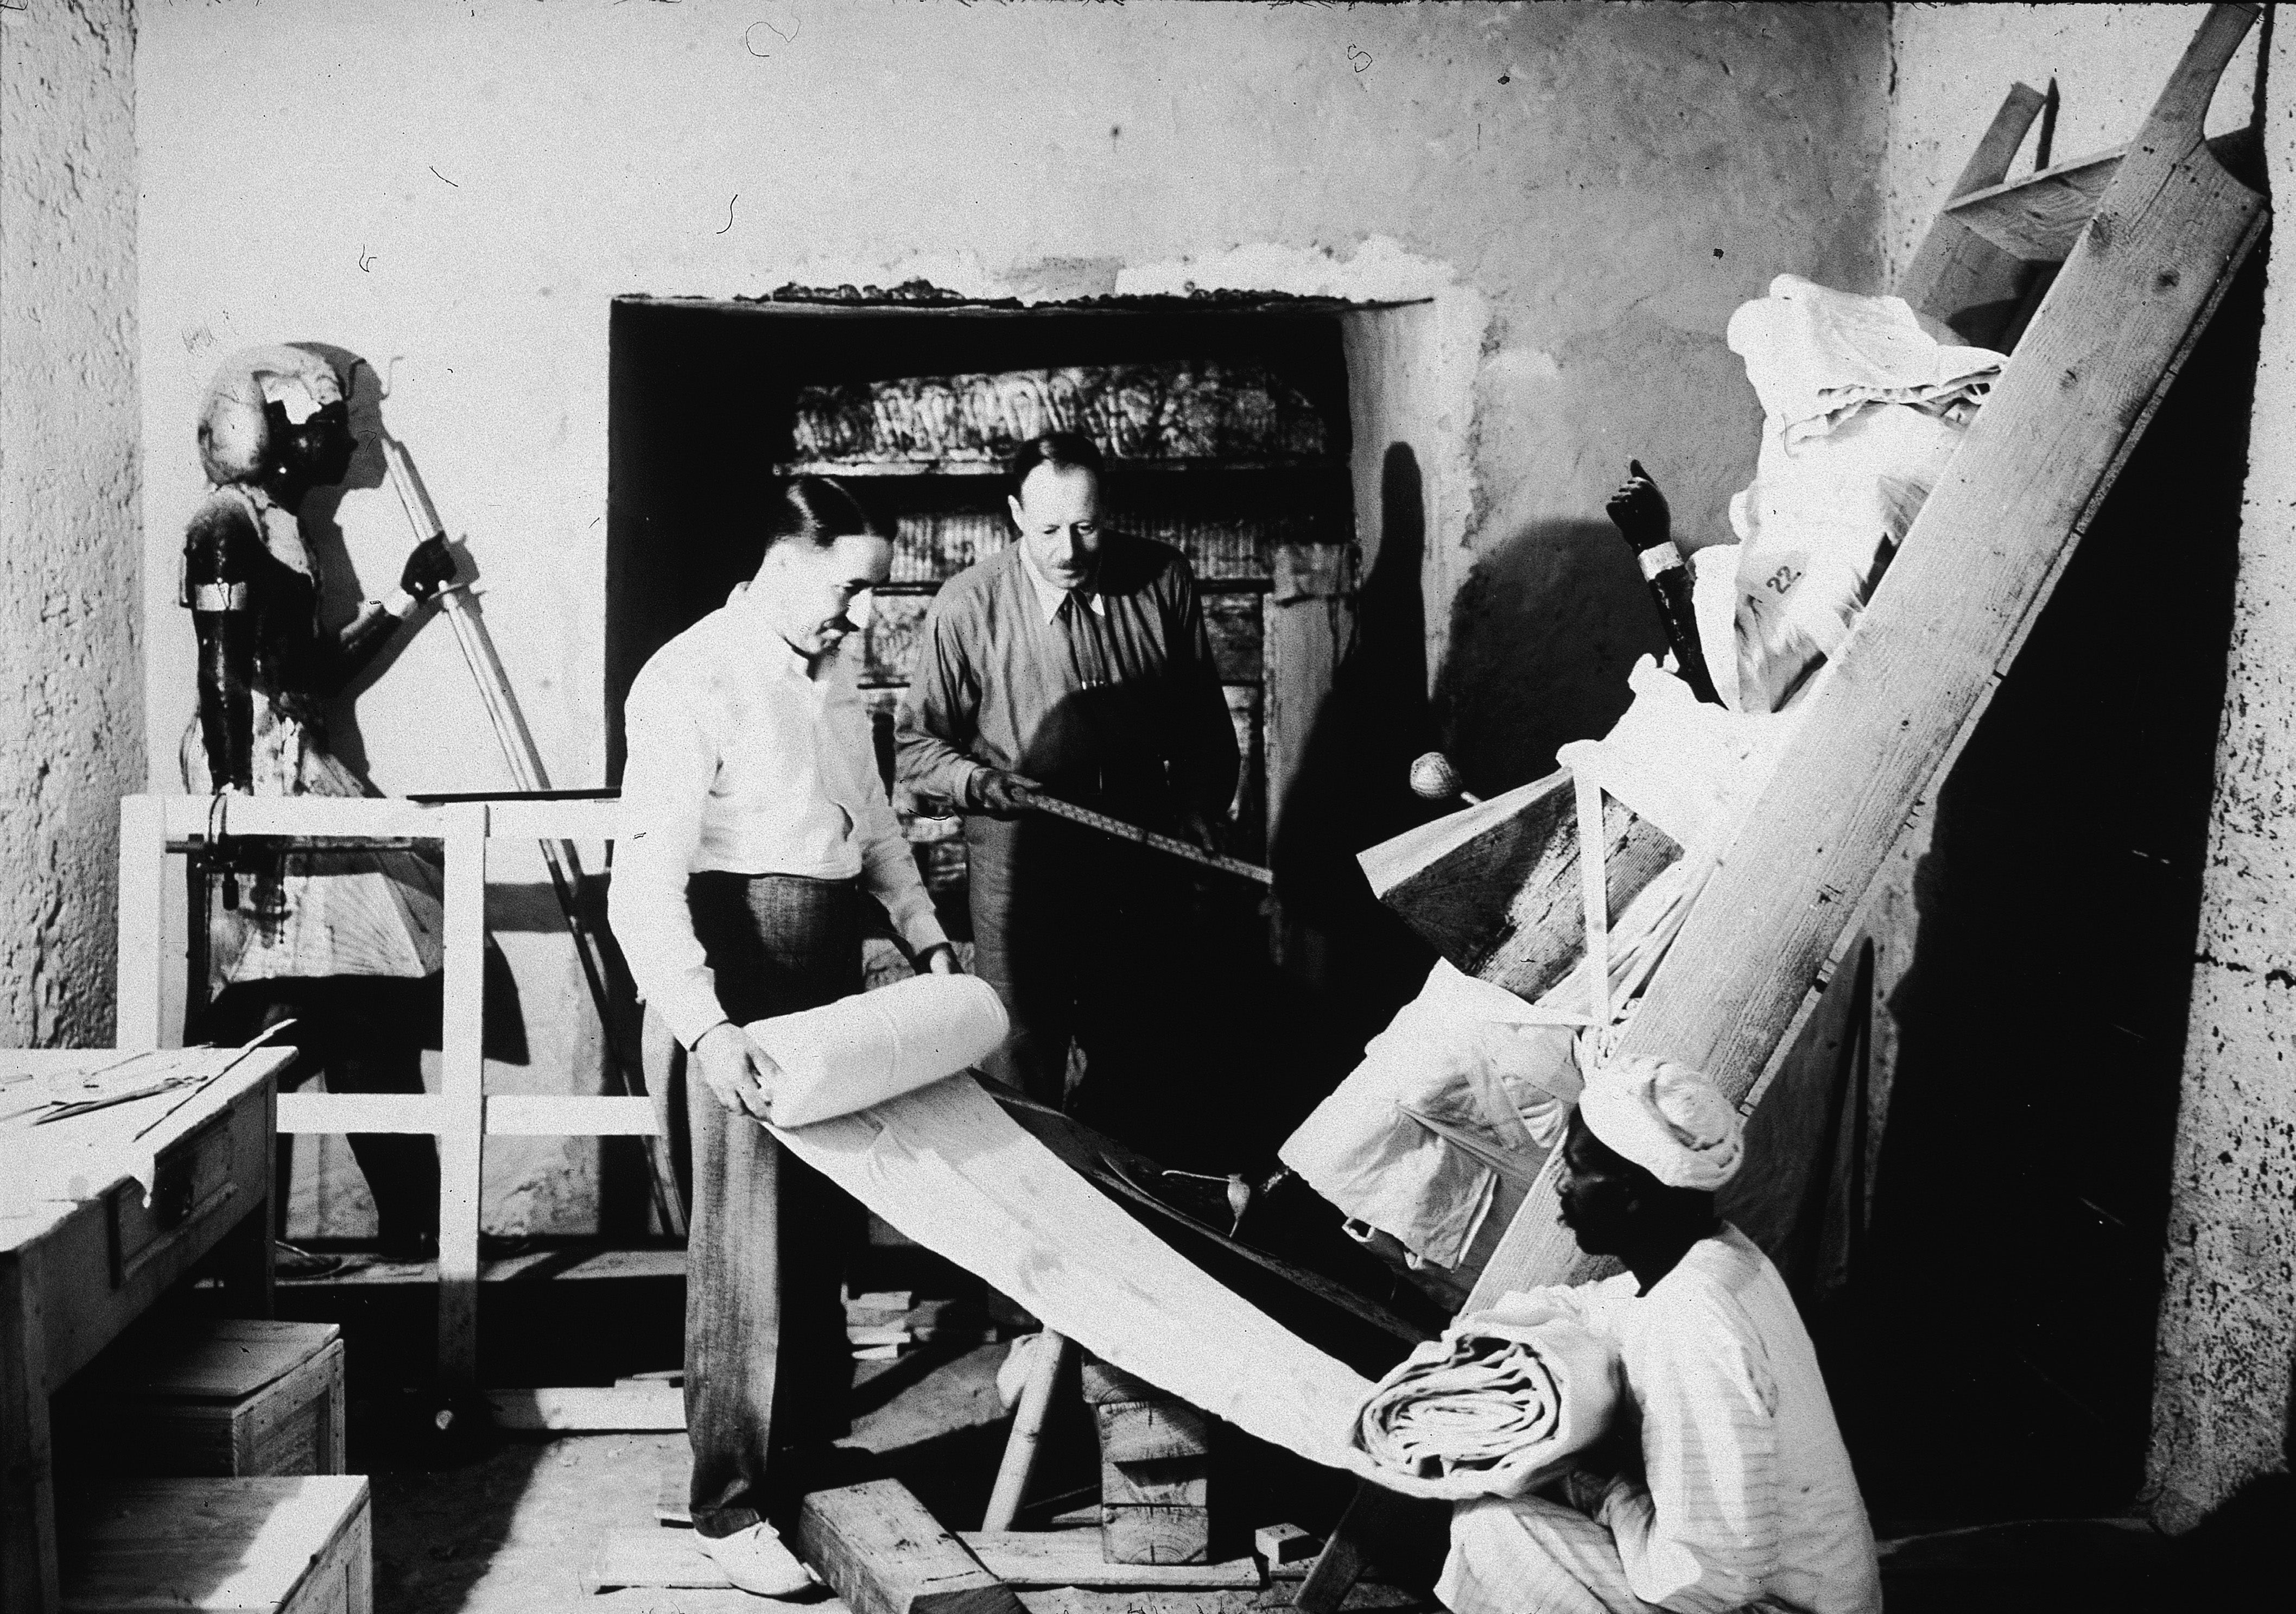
{"points": [[343, 942]]}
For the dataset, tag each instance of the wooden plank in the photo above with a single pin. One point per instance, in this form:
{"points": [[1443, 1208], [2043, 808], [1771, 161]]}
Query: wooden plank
{"points": [[1278, 1544], [340, 1112], [1441, 878], [2037, 220], [377, 817], [463, 1074], [669, 1559], [673, 1502], [1166, 1482], [884, 1553], [1073, 1558], [594, 1408], [1311, 618], [1978, 563], [1150, 1431], [296, 1545], [142, 920], [28, 1512], [1155, 1535], [212, 1359], [570, 1115], [1957, 269], [1104, 1382]]}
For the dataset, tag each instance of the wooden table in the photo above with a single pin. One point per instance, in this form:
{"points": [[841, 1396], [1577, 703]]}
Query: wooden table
{"points": [[95, 1223]]}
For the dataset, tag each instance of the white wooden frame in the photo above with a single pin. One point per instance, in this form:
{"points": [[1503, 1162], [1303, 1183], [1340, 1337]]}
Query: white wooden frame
{"points": [[461, 1115]]}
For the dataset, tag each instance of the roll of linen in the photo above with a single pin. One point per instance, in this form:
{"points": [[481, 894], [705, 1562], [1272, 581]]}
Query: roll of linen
{"points": [[872, 1046]]}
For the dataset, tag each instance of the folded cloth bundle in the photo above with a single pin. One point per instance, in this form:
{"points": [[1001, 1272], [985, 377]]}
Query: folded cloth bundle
{"points": [[1495, 1407]]}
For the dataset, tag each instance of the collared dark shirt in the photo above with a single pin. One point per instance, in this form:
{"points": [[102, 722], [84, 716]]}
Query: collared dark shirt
{"points": [[1118, 705]]}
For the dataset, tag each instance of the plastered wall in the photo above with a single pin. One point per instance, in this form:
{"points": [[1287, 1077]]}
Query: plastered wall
{"points": [[456, 191], [71, 695]]}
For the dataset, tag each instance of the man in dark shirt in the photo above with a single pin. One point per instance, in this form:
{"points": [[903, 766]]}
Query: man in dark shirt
{"points": [[1075, 661]]}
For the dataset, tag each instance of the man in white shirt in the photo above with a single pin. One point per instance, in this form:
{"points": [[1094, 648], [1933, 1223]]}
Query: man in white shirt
{"points": [[1729, 1486], [756, 823]]}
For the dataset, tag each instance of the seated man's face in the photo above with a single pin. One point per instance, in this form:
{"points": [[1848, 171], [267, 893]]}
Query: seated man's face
{"points": [[1601, 1198], [1058, 514]]}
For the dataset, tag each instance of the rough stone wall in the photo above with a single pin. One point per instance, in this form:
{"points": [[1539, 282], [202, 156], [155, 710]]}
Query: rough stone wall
{"points": [[71, 695], [2222, 1397], [457, 191]]}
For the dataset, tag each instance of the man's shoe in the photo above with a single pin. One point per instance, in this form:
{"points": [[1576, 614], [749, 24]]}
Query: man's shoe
{"points": [[756, 1560]]}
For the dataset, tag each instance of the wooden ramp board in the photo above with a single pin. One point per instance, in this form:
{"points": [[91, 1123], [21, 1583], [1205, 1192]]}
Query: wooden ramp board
{"points": [[1975, 569], [1073, 1558]]}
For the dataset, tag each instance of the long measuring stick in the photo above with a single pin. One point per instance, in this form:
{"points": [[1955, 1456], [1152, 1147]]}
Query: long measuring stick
{"points": [[1167, 844], [525, 760]]}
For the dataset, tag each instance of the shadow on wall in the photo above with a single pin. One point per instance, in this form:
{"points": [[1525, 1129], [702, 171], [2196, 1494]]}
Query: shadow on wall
{"points": [[340, 589], [1542, 631], [1353, 790]]}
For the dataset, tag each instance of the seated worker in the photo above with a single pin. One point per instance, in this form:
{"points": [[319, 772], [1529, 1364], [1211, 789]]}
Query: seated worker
{"points": [[1728, 1485]]}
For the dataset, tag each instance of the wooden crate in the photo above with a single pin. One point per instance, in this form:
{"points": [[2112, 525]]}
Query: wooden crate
{"points": [[1156, 1470], [243, 1397], [301, 1545]]}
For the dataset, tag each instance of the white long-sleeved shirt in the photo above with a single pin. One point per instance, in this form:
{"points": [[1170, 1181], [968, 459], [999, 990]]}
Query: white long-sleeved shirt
{"points": [[745, 758], [1746, 1494]]}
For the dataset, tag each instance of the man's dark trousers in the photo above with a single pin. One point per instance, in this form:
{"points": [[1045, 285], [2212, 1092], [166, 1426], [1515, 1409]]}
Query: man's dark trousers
{"points": [[768, 1365]]}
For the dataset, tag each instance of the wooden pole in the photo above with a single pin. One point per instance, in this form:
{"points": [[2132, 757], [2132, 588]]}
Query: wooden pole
{"points": [[1028, 1430], [525, 761]]}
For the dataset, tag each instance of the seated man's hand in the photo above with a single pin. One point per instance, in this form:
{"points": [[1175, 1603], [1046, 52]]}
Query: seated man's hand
{"points": [[739, 1073], [1584, 1488], [939, 959], [999, 794], [1638, 509], [429, 568]]}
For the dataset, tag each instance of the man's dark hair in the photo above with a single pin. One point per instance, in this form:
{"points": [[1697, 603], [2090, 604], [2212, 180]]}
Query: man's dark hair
{"points": [[1062, 450], [817, 512]]}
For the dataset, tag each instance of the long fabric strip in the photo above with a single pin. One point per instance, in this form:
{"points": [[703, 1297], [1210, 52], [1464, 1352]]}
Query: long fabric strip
{"points": [[949, 1168]]}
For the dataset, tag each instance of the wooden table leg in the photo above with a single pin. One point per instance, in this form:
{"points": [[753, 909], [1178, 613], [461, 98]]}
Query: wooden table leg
{"points": [[27, 1500], [244, 1256]]}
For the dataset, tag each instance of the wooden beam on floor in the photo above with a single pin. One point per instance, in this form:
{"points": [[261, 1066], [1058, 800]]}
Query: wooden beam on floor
{"points": [[1073, 1558], [884, 1553]]}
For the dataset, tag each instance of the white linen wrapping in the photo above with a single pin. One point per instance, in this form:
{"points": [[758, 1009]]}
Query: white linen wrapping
{"points": [[872, 1046], [1496, 1406]]}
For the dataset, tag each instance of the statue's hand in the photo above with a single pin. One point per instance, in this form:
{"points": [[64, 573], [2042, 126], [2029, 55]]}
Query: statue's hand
{"points": [[429, 568], [1638, 509]]}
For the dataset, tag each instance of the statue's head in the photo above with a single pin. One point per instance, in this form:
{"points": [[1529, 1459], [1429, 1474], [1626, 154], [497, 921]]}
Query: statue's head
{"points": [[275, 413]]}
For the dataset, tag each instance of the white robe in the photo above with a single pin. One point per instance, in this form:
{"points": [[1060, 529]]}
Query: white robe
{"points": [[1746, 1496]]}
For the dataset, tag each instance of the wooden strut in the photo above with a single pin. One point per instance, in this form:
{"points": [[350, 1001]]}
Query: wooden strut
{"points": [[525, 759], [1170, 844]]}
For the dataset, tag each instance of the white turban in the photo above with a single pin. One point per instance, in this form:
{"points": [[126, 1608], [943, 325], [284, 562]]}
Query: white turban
{"points": [[1668, 1120]]}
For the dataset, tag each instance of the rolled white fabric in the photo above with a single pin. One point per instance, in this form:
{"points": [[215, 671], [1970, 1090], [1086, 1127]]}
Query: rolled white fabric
{"points": [[872, 1046], [1496, 1407]]}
